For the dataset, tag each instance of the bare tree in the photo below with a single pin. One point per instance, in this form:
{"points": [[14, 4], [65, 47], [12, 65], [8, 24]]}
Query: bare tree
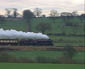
{"points": [[8, 12], [15, 13], [54, 13], [11, 12], [37, 12]]}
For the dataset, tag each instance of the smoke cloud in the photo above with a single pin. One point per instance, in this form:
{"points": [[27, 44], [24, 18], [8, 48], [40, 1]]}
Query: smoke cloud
{"points": [[13, 34]]}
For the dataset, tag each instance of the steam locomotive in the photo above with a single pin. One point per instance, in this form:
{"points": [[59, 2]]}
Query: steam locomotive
{"points": [[13, 37], [28, 42]]}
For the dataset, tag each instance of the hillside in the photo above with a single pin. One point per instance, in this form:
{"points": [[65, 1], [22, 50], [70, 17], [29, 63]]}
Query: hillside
{"points": [[75, 30]]}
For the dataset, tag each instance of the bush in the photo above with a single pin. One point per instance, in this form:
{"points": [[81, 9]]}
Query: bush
{"points": [[69, 51], [4, 56], [65, 60]]}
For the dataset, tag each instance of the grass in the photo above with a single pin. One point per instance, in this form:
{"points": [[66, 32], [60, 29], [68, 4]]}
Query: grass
{"points": [[80, 55], [19, 25], [49, 54], [40, 66], [34, 54], [64, 40], [58, 26]]}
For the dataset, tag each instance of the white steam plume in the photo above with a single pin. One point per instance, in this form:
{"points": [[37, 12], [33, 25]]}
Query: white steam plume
{"points": [[13, 34]]}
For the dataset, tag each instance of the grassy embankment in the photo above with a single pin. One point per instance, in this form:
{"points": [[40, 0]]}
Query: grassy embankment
{"points": [[49, 54]]}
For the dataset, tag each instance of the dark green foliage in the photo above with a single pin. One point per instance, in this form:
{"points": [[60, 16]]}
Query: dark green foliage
{"points": [[2, 19], [82, 17], [28, 15], [4, 57], [15, 14], [53, 19], [43, 27], [69, 51]]}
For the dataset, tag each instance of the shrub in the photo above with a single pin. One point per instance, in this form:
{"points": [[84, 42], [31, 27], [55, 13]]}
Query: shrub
{"points": [[69, 51], [65, 60], [4, 56]]}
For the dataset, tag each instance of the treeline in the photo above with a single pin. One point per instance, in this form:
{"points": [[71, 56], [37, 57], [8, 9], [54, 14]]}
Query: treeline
{"points": [[28, 15], [38, 12]]}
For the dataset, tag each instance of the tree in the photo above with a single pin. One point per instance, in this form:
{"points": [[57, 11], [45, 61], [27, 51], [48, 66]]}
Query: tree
{"points": [[69, 51], [28, 15], [74, 13], [67, 20], [43, 16], [82, 17], [53, 13], [15, 13], [2, 19], [66, 16], [11, 12], [43, 27], [8, 12], [37, 12]]}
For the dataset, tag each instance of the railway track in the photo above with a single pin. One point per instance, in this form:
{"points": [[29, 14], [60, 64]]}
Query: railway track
{"points": [[53, 48]]}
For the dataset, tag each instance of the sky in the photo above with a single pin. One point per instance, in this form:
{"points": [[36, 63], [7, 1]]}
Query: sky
{"points": [[59, 5]]}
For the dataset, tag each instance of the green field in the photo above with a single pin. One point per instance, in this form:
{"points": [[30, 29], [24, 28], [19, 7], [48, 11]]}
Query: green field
{"points": [[50, 54], [40, 66], [68, 40], [34, 54], [58, 26], [19, 25]]}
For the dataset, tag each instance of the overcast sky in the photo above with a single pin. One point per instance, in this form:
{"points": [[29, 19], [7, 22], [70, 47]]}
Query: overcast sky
{"points": [[59, 5]]}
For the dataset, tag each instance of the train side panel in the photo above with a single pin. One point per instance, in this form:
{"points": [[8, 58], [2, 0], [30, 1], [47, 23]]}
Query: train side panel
{"points": [[26, 42]]}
